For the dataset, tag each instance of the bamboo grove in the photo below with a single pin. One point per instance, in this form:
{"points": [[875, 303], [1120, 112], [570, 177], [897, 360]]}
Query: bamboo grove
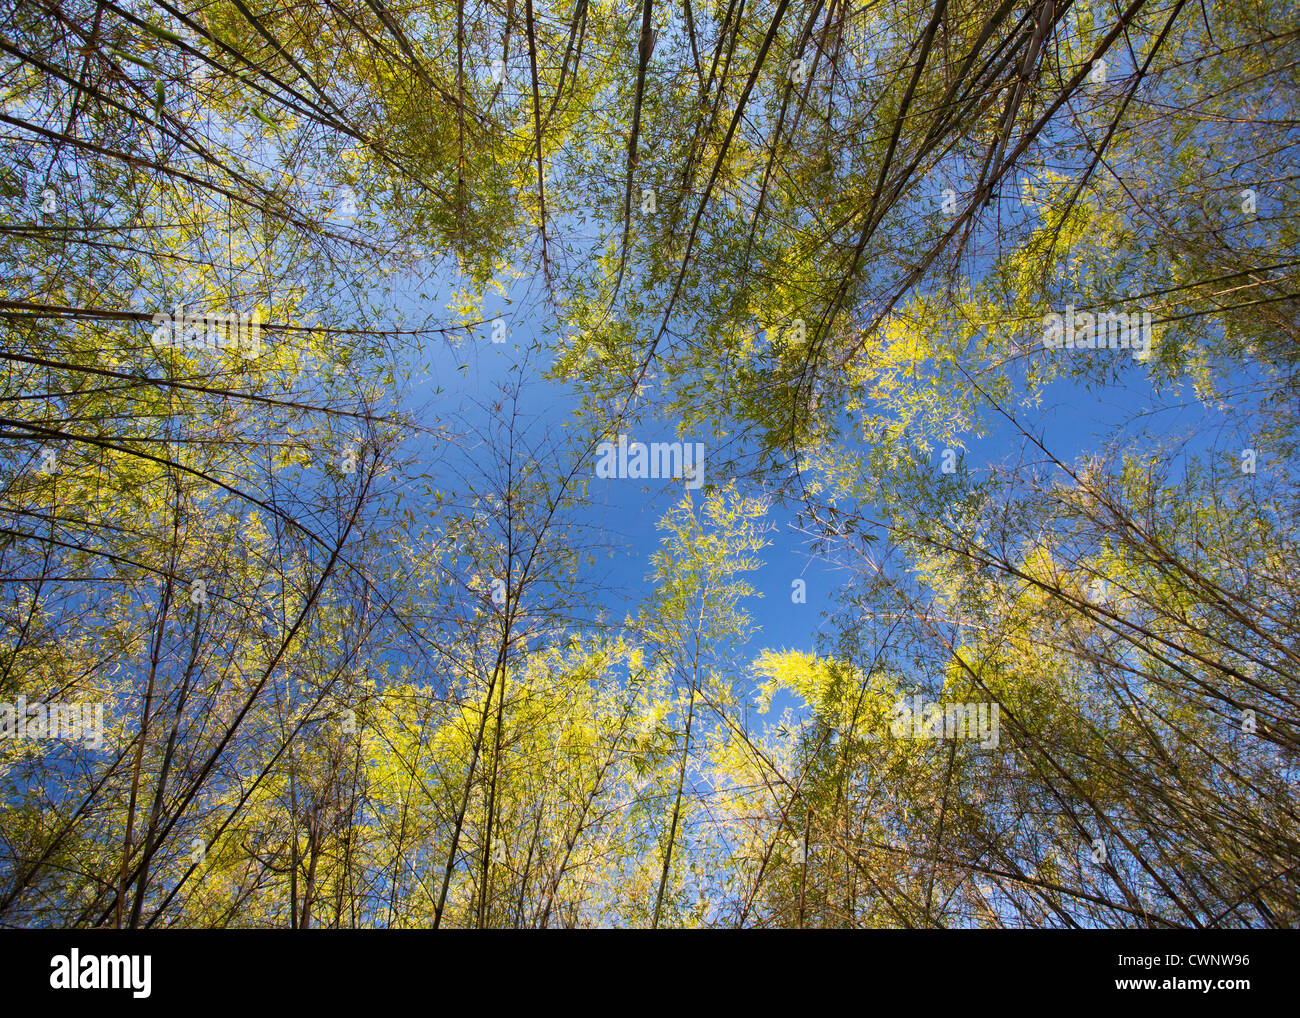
{"points": [[353, 625]]}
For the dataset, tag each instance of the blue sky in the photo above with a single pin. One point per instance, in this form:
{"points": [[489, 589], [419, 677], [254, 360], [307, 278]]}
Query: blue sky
{"points": [[1072, 418]]}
